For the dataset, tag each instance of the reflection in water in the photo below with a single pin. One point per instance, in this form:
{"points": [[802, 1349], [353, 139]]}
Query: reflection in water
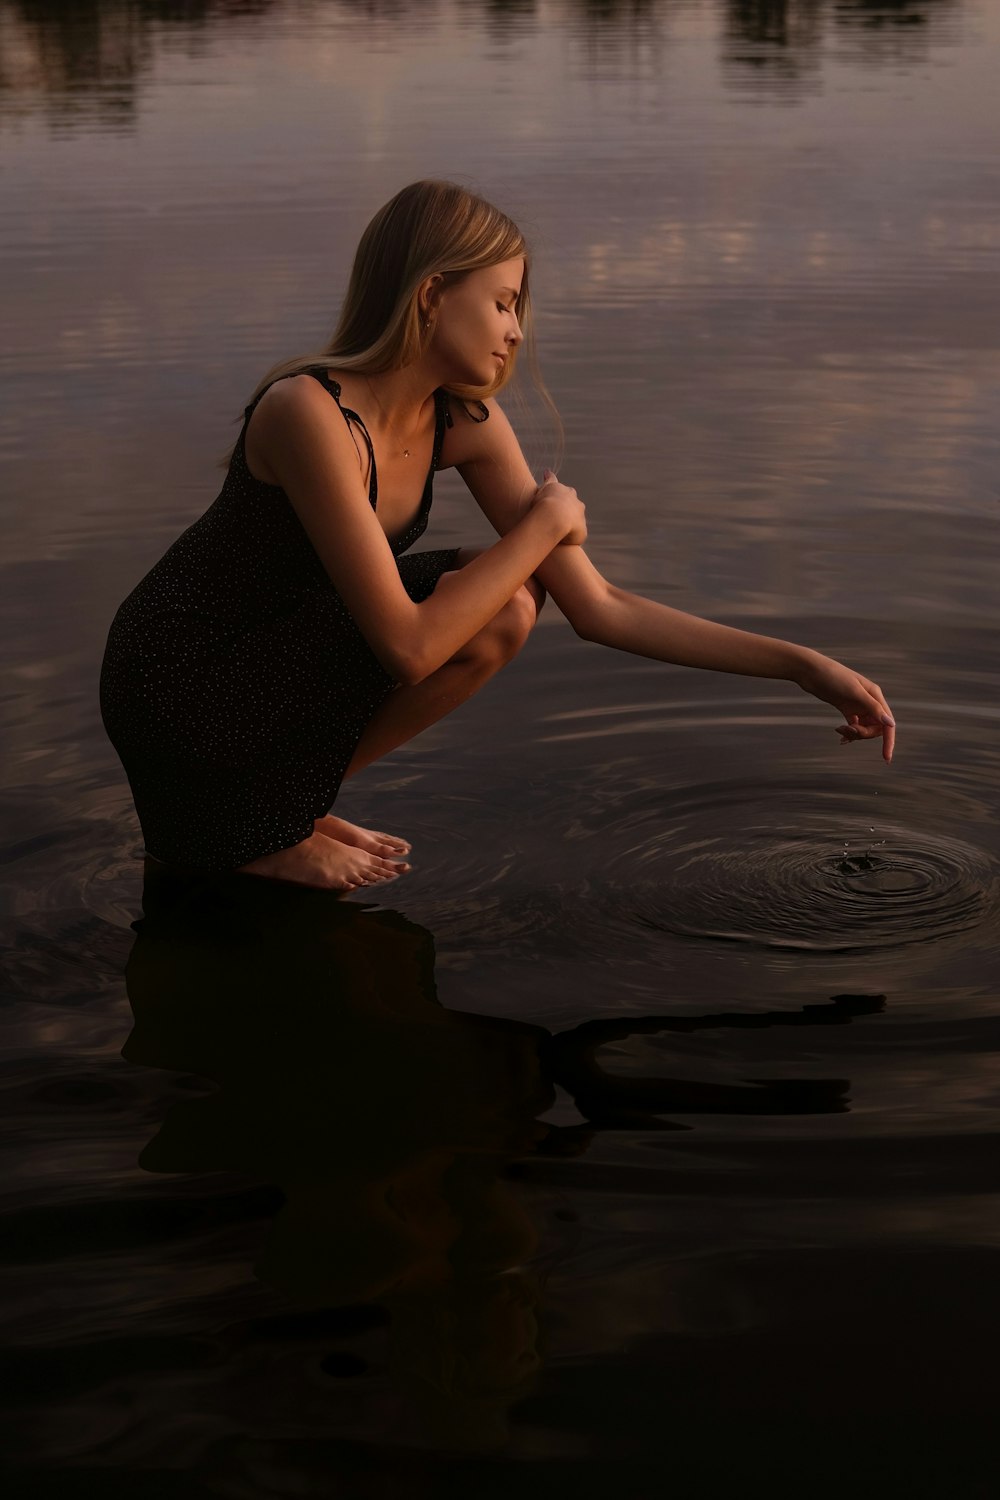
{"points": [[773, 43], [777, 45], [883, 34], [503, 12], [385, 1120], [86, 58], [389, 1123]]}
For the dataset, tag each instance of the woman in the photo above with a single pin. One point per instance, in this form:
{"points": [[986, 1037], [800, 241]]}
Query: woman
{"points": [[284, 642]]}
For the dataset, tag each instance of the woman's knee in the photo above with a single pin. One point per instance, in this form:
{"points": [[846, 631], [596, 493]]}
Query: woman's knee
{"points": [[535, 591], [507, 632]]}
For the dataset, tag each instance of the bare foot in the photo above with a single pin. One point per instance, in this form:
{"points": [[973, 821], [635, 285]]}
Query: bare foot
{"points": [[384, 844], [326, 862]]}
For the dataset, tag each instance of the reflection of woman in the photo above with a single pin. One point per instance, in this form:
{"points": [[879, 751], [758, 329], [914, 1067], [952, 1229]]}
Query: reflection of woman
{"points": [[284, 641], [389, 1122], [386, 1120], [382, 1116]]}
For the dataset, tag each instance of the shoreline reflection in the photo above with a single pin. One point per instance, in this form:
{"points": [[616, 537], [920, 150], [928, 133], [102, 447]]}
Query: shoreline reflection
{"points": [[85, 62]]}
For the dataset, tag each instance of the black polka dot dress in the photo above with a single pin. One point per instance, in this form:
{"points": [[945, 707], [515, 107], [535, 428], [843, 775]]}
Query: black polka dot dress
{"points": [[235, 684]]}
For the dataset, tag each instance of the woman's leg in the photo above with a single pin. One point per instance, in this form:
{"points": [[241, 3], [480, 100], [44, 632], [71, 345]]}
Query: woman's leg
{"points": [[343, 856], [408, 710]]}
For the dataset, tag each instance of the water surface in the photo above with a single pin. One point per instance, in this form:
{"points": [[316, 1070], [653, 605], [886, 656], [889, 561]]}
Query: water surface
{"points": [[646, 1134]]}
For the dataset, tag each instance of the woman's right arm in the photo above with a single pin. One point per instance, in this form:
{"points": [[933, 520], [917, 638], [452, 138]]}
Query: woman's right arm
{"points": [[306, 446]]}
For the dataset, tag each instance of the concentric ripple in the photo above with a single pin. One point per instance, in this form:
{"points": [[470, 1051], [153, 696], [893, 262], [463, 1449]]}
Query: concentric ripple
{"points": [[758, 873]]}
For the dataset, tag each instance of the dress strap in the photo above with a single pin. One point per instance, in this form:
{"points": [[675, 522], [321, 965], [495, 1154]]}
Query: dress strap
{"points": [[466, 403], [353, 420], [442, 418]]}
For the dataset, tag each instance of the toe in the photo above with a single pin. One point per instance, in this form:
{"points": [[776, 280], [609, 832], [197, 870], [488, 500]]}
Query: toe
{"points": [[390, 845]]}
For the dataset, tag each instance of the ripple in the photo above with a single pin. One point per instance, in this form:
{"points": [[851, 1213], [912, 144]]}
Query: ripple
{"points": [[68, 896], [778, 872], [610, 859]]}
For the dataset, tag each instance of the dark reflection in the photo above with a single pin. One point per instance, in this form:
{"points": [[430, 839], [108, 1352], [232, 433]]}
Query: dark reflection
{"points": [[774, 46], [615, 12], [883, 32], [370, 14], [385, 1120], [625, 37], [87, 58], [390, 1124], [880, 15], [779, 43], [608, 1100], [504, 20], [775, 26]]}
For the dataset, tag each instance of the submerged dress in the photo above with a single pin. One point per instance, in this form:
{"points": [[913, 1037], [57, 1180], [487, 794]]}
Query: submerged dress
{"points": [[235, 684]]}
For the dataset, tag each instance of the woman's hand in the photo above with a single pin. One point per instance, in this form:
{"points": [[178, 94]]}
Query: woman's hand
{"points": [[566, 505], [866, 712]]}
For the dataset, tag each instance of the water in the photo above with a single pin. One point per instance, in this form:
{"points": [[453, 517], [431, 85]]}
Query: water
{"points": [[646, 1134]]}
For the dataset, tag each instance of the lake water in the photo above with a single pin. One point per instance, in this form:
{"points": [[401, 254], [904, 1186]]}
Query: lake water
{"points": [[645, 1137]]}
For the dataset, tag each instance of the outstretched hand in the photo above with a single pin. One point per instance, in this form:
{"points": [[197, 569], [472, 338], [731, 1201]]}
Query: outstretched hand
{"points": [[867, 715]]}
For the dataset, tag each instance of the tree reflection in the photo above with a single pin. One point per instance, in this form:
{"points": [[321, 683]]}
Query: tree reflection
{"points": [[390, 1124], [883, 32], [777, 44], [503, 19], [603, 13], [88, 56]]}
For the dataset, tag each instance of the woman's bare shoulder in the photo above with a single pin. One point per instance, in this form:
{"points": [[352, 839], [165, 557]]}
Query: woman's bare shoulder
{"points": [[294, 409], [290, 394], [478, 429]]}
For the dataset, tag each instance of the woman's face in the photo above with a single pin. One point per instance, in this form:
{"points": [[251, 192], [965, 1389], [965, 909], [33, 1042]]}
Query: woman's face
{"points": [[475, 323]]}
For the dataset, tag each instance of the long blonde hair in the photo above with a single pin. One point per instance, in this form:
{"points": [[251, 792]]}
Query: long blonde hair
{"points": [[429, 228]]}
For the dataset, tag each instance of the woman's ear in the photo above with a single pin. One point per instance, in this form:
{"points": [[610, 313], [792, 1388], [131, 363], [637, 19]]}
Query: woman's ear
{"points": [[429, 295]]}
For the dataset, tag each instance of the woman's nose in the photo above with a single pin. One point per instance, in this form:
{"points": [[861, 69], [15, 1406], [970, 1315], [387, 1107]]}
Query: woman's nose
{"points": [[514, 335]]}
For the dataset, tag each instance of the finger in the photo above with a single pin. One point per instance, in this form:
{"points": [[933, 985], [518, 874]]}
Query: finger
{"points": [[888, 731], [851, 732], [885, 721], [888, 741], [875, 705]]}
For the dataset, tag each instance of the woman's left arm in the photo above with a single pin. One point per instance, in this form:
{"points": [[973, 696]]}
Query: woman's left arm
{"points": [[632, 623], [503, 485]]}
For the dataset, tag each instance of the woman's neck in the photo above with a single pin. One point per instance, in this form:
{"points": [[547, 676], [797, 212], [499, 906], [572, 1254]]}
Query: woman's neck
{"points": [[401, 396]]}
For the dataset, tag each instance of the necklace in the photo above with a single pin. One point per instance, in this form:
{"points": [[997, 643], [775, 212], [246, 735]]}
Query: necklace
{"points": [[385, 414]]}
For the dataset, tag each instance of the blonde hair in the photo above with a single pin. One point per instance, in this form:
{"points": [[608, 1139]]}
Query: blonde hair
{"points": [[429, 228]]}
